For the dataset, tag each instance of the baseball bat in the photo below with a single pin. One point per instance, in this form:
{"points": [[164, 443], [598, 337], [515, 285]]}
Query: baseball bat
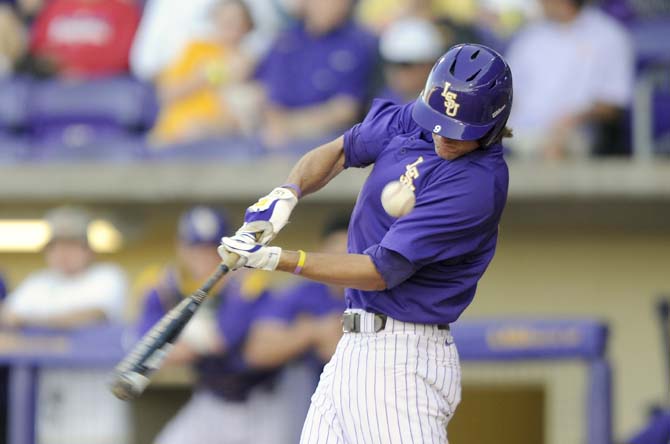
{"points": [[132, 374]]}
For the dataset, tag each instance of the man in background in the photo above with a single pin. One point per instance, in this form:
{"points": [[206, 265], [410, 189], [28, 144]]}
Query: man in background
{"points": [[316, 75], [573, 76], [72, 292], [300, 330], [231, 403]]}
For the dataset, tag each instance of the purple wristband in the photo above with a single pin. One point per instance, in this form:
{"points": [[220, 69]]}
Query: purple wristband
{"points": [[294, 187]]}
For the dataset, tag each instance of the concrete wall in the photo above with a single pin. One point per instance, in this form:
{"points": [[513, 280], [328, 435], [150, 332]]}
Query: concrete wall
{"points": [[608, 260]]}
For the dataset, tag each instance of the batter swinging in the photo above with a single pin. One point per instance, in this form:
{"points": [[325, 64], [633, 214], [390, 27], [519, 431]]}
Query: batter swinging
{"points": [[395, 377]]}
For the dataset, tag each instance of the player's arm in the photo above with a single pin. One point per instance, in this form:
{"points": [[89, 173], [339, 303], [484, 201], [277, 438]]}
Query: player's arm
{"points": [[314, 170], [345, 270], [74, 319], [318, 167], [272, 343]]}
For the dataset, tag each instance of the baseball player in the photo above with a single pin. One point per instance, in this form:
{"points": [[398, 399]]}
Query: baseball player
{"points": [[395, 376], [299, 330], [231, 403]]}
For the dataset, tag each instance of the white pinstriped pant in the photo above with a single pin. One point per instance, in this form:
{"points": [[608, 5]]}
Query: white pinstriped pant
{"points": [[400, 385]]}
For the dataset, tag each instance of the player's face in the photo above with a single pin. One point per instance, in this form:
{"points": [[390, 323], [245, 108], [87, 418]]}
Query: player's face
{"points": [[450, 149], [198, 260], [69, 257], [231, 22]]}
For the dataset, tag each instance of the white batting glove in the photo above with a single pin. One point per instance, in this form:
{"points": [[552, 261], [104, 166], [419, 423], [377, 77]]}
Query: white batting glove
{"points": [[251, 254], [269, 215]]}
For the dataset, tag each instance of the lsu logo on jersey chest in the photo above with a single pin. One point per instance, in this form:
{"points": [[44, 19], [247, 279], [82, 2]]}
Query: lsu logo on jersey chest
{"points": [[411, 173]]}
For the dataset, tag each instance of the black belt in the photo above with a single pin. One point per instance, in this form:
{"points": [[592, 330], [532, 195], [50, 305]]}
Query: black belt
{"points": [[351, 323]]}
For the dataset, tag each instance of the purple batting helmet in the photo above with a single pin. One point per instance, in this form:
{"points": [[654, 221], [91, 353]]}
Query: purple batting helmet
{"points": [[468, 95], [202, 226]]}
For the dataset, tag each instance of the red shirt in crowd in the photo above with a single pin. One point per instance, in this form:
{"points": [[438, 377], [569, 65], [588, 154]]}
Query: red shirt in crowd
{"points": [[86, 38]]}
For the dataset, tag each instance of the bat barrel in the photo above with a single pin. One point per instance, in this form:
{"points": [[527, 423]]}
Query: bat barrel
{"points": [[129, 385], [132, 374]]}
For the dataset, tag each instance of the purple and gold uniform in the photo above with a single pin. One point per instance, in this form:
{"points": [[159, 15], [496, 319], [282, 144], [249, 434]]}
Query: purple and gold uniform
{"points": [[300, 377], [227, 393], [306, 298], [432, 258], [395, 376]]}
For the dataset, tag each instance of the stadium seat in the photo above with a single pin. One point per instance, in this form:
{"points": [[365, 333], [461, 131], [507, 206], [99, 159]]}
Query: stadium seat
{"points": [[13, 148], [13, 99], [121, 103], [650, 41], [233, 149], [81, 144]]}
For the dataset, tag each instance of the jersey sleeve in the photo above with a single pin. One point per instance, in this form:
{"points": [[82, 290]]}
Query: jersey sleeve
{"points": [[393, 267], [234, 317], [279, 307], [110, 292], [451, 218], [614, 83], [366, 140]]}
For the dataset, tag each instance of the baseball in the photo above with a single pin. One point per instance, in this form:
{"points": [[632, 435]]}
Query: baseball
{"points": [[397, 199]]}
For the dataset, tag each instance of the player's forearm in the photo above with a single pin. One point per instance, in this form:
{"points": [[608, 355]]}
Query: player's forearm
{"points": [[274, 344], [319, 119], [75, 319], [318, 167], [346, 270]]}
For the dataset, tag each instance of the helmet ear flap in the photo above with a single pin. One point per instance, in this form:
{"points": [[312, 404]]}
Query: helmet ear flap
{"points": [[496, 134]]}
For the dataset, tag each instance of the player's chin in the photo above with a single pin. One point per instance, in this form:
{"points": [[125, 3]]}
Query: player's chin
{"points": [[447, 153]]}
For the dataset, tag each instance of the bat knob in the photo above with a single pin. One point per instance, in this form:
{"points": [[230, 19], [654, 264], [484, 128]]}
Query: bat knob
{"points": [[129, 385]]}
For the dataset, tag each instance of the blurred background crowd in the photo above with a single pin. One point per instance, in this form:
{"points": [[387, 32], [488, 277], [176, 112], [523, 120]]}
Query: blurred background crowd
{"points": [[131, 80]]}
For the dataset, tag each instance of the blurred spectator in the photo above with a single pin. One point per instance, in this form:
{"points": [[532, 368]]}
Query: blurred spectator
{"points": [[409, 48], [231, 402], [317, 74], [73, 292], [305, 326], [168, 25], [656, 432], [3, 289], [12, 40], [573, 75], [84, 38], [192, 90]]}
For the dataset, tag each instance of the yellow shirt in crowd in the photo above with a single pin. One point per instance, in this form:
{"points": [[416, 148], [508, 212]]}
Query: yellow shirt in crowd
{"points": [[203, 107]]}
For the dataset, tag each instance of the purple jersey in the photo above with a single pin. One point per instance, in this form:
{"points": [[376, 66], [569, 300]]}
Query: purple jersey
{"points": [[307, 297], [432, 258], [302, 69], [226, 375], [311, 298]]}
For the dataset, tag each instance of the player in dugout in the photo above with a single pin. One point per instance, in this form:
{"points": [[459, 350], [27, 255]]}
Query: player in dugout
{"points": [[301, 330], [231, 402], [395, 376]]}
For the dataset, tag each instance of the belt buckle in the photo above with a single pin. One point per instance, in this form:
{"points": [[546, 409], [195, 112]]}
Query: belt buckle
{"points": [[380, 322], [351, 323]]}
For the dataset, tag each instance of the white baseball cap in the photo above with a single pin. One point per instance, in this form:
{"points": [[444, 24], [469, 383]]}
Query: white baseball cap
{"points": [[411, 40], [68, 223]]}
